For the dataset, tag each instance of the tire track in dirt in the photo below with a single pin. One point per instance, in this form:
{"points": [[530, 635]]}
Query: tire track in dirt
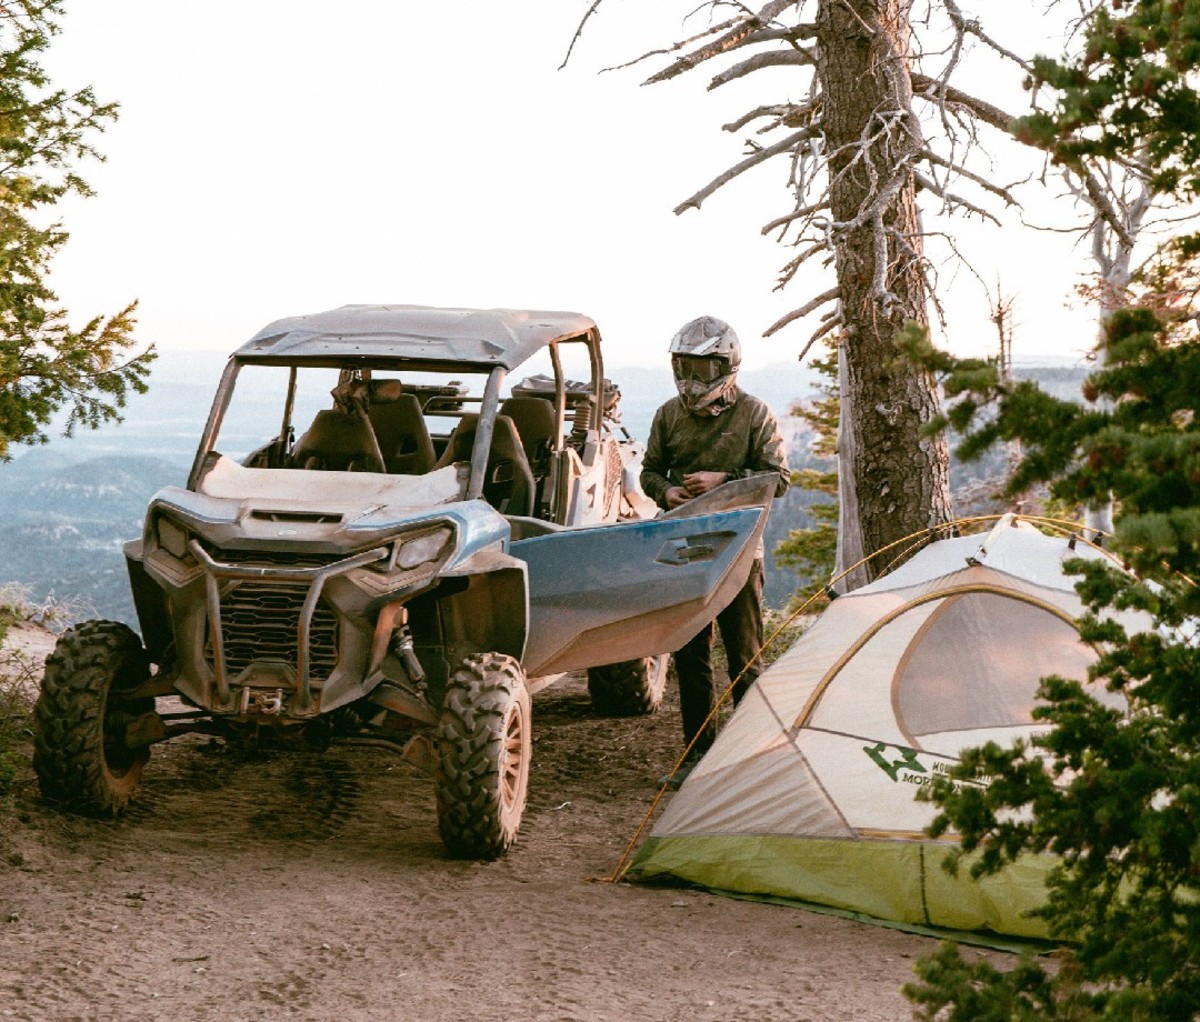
{"points": [[259, 885]]}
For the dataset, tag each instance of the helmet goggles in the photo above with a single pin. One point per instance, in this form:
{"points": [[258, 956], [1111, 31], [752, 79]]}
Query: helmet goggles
{"points": [[700, 368]]}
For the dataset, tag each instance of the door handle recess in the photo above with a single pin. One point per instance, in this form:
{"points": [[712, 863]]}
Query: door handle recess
{"points": [[693, 549]]}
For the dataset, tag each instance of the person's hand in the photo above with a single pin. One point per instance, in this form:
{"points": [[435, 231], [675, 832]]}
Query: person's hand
{"points": [[677, 495], [697, 483]]}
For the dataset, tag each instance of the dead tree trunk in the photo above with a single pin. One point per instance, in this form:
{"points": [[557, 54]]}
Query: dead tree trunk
{"points": [[871, 136]]}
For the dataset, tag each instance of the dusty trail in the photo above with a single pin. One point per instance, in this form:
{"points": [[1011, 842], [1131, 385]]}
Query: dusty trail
{"points": [[314, 887]]}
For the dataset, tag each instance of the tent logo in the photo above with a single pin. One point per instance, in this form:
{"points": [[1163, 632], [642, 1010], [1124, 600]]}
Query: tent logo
{"points": [[914, 771], [908, 760]]}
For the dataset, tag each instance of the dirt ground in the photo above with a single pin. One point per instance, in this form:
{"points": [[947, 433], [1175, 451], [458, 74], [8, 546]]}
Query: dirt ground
{"points": [[244, 886]]}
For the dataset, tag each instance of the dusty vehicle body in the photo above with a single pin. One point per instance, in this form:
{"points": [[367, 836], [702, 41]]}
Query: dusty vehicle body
{"points": [[405, 551]]}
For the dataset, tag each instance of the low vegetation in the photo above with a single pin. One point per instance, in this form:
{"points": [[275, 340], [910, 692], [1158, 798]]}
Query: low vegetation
{"points": [[16, 695], [19, 676]]}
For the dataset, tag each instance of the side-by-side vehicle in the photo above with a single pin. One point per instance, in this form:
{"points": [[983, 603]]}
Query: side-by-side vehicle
{"points": [[389, 534]]}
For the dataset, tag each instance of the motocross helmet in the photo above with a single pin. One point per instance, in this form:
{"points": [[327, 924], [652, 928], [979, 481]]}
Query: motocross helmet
{"points": [[705, 355]]}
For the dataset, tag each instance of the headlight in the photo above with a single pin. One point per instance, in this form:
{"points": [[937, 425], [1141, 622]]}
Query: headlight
{"points": [[172, 538], [422, 549]]}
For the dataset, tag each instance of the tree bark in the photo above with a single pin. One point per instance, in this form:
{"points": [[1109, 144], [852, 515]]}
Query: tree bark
{"points": [[849, 567], [901, 479]]}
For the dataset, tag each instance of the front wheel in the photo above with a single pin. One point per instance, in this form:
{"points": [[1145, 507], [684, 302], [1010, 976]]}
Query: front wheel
{"points": [[484, 748], [631, 688], [80, 755]]}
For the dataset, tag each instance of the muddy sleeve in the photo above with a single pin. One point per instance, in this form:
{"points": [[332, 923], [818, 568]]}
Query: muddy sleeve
{"points": [[654, 464]]}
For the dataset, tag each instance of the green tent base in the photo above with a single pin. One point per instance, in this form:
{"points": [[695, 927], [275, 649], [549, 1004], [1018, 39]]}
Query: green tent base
{"points": [[809, 793], [897, 884]]}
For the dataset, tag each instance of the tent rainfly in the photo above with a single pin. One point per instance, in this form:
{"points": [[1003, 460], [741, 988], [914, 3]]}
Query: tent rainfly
{"points": [[808, 792]]}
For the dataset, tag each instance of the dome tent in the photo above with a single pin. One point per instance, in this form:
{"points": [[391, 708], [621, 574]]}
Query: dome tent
{"points": [[808, 792]]}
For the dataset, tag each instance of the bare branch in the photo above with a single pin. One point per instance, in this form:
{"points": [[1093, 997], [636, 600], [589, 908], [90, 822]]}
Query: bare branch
{"points": [[825, 328], [881, 193], [676, 47], [793, 265], [773, 9], [879, 236], [953, 201], [790, 34], [776, 58], [579, 32], [930, 89], [833, 294], [962, 171], [738, 31], [740, 168], [972, 27], [1100, 202], [788, 115], [796, 214]]}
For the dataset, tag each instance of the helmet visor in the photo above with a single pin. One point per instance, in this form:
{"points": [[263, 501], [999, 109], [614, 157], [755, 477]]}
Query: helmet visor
{"points": [[699, 368]]}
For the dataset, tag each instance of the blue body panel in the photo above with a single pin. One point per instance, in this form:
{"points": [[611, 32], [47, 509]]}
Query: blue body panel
{"points": [[618, 592]]}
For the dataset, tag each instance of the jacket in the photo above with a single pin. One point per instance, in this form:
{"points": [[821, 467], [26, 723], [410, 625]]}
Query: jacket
{"points": [[743, 440]]}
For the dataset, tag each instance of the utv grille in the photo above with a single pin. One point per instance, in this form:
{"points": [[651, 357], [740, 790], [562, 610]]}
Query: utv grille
{"points": [[261, 620], [273, 609]]}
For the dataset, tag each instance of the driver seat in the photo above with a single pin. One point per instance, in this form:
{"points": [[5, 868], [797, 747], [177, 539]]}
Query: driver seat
{"points": [[336, 442], [401, 431], [508, 483]]}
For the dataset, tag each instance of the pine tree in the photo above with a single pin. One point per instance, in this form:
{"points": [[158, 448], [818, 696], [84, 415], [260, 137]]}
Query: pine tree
{"points": [[45, 365], [1115, 797]]}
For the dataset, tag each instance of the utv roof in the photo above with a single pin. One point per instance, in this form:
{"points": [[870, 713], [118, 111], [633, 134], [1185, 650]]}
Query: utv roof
{"points": [[486, 337]]}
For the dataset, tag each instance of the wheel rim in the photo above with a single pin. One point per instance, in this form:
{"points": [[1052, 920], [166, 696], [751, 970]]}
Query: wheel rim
{"points": [[512, 768]]}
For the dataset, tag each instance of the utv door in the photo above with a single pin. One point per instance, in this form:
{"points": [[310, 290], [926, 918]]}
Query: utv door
{"points": [[608, 593]]}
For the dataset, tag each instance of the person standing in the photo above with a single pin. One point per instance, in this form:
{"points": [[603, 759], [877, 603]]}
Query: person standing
{"points": [[712, 431]]}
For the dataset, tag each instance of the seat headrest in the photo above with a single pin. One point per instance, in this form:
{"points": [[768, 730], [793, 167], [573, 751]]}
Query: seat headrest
{"points": [[383, 391]]}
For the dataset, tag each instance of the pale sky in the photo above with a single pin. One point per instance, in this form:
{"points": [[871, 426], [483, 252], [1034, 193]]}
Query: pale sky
{"points": [[274, 158]]}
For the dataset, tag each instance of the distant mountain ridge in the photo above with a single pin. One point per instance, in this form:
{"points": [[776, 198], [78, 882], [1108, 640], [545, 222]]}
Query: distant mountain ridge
{"points": [[70, 505], [167, 421], [65, 523]]}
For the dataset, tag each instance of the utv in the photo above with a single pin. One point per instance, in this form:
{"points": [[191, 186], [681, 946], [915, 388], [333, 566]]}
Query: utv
{"points": [[382, 539]]}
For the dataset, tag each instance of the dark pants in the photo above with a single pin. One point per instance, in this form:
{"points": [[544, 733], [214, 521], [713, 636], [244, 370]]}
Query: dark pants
{"points": [[741, 625]]}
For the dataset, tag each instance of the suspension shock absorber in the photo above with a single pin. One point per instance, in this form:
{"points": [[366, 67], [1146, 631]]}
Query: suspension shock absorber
{"points": [[402, 649]]}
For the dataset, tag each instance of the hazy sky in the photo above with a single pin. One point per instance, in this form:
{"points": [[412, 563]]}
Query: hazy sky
{"points": [[274, 158]]}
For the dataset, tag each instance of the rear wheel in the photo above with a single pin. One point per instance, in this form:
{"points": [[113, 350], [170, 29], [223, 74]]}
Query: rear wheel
{"points": [[81, 756], [484, 749], [631, 688]]}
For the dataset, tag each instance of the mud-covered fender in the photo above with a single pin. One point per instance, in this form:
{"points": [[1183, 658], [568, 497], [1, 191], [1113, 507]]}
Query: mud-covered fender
{"points": [[150, 603], [486, 605]]}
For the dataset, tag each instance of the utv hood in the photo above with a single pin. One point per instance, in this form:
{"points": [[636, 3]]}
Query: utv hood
{"points": [[330, 512]]}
